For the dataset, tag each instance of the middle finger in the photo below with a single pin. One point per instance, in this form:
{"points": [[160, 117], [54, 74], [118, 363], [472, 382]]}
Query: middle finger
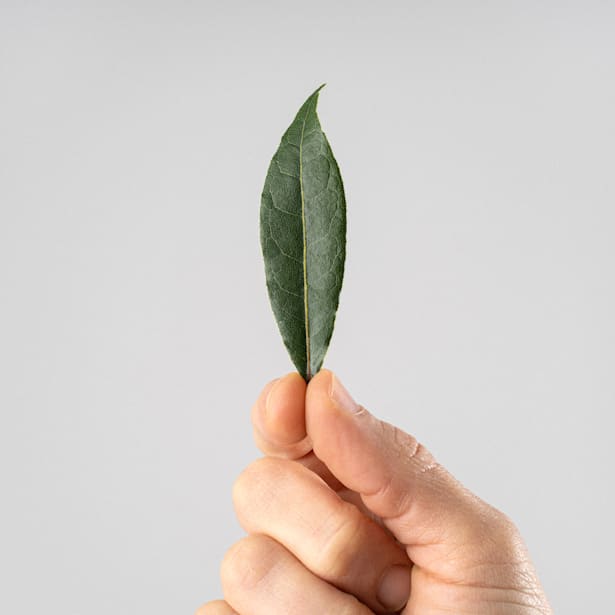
{"points": [[331, 537]]}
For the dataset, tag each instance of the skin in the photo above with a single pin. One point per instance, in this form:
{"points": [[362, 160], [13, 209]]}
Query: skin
{"points": [[347, 514]]}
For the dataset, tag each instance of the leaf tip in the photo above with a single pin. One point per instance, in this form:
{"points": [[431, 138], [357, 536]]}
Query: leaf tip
{"points": [[317, 90]]}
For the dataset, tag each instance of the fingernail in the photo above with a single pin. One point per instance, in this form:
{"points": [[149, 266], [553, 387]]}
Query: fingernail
{"points": [[342, 397], [269, 390], [394, 588]]}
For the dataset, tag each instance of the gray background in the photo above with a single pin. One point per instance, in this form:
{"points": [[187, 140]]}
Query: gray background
{"points": [[476, 144]]}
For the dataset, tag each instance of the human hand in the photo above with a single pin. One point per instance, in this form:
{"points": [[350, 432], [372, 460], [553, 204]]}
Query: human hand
{"points": [[349, 515]]}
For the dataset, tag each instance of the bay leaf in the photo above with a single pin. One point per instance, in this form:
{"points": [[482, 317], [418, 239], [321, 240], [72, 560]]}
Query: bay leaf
{"points": [[303, 238]]}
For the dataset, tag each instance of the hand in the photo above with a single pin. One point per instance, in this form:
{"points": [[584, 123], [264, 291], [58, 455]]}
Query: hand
{"points": [[349, 515]]}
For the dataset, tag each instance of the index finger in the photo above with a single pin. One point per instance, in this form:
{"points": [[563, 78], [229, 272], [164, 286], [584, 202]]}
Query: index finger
{"points": [[278, 421], [278, 418]]}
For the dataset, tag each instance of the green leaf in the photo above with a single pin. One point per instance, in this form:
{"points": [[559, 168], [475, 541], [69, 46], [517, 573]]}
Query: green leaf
{"points": [[303, 237]]}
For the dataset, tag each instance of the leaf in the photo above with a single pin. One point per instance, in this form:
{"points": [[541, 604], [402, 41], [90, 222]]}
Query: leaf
{"points": [[303, 237]]}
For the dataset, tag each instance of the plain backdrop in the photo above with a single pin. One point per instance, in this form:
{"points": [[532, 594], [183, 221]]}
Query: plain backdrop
{"points": [[476, 141]]}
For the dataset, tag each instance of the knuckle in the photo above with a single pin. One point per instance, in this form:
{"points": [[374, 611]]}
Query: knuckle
{"points": [[496, 522], [217, 607], [253, 481], [247, 563], [406, 447], [420, 456], [341, 535], [504, 529], [499, 536]]}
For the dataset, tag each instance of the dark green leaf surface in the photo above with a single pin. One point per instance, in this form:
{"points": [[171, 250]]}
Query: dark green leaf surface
{"points": [[303, 236]]}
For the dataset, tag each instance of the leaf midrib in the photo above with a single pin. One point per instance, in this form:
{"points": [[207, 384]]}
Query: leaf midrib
{"points": [[304, 228]]}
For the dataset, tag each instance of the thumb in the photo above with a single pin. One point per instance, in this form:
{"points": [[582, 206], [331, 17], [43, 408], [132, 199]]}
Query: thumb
{"points": [[425, 508]]}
